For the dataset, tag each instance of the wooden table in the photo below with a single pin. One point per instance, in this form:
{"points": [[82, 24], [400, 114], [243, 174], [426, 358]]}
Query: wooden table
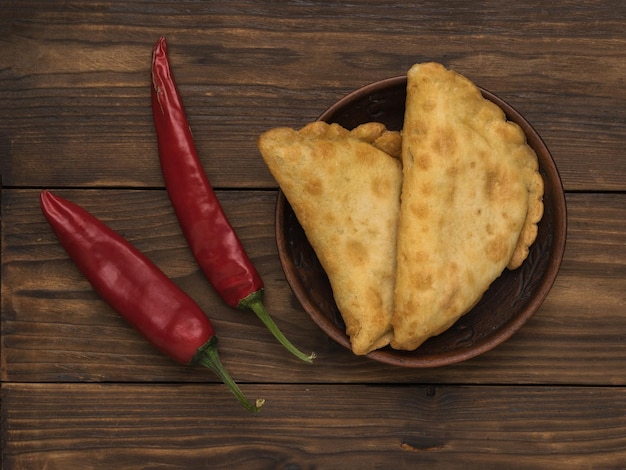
{"points": [[81, 389]]}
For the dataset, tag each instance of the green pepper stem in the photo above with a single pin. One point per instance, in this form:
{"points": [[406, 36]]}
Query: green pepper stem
{"points": [[255, 303], [207, 356]]}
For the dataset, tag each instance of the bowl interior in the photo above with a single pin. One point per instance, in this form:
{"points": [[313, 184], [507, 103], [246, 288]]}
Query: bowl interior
{"points": [[509, 302]]}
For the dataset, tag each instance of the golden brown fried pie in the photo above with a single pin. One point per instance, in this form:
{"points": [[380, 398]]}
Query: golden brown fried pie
{"points": [[471, 199], [412, 228], [345, 192], [380, 137]]}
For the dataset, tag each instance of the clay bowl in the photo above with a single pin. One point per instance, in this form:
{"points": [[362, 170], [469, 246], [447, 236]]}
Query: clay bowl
{"points": [[510, 301]]}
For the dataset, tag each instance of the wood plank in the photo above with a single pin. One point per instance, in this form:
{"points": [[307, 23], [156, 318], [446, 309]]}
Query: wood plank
{"points": [[76, 80], [55, 328], [98, 426], [79, 388]]}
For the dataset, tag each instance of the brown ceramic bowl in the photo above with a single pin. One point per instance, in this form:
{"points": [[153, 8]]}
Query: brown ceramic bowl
{"points": [[508, 303]]}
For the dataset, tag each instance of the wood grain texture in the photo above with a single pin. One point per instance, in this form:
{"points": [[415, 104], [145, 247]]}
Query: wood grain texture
{"points": [[79, 388], [55, 328], [75, 78], [91, 426]]}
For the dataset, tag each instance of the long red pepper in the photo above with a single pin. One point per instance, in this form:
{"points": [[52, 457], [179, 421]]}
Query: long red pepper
{"points": [[137, 289], [209, 234]]}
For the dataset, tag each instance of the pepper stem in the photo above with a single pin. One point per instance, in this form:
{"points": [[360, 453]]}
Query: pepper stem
{"points": [[207, 356], [255, 303]]}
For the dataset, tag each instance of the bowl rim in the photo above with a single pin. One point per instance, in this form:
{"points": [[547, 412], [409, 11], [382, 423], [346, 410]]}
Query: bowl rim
{"points": [[556, 253]]}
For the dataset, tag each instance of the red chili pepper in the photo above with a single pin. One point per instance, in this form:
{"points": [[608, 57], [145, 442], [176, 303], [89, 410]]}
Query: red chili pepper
{"points": [[212, 239], [137, 289]]}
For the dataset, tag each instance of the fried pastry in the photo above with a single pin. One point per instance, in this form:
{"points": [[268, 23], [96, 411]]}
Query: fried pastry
{"points": [[471, 199], [345, 193]]}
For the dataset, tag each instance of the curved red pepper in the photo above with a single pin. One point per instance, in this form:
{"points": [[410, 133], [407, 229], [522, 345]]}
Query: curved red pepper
{"points": [[136, 288], [209, 234]]}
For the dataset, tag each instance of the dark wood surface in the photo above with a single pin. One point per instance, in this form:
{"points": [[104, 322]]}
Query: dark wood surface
{"points": [[80, 388]]}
